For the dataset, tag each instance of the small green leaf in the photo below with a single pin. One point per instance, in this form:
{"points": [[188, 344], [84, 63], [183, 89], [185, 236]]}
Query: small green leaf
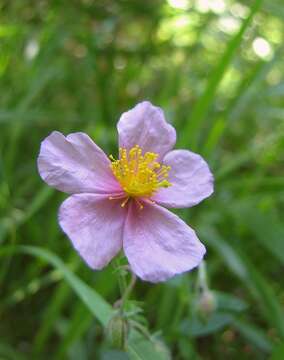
{"points": [[196, 327], [229, 302]]}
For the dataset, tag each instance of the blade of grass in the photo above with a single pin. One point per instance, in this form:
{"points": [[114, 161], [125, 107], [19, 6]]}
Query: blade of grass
{"points": [[38, 201], [190, 134], [51, 314], [258, 286], [254, 334], [250, 153], [267, 229], [36, 88], [138, 345], [79, 323], [94, 302], [55, 306]]}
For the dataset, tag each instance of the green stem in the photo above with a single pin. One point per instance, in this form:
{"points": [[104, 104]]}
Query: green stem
{"points": [[202, 277], [121, 279], [125, 290], [128, 290]]}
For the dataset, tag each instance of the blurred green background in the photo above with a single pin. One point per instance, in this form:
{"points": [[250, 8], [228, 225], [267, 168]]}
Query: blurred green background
{"points": [[216, 68]]}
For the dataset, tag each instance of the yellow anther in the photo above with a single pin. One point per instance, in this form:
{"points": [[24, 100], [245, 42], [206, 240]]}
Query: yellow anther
{"points": [[140, 175]]}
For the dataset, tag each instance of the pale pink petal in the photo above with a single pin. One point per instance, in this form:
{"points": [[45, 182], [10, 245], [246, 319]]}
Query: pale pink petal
{"points": [[75, 164], [94, 225], [158, 244], [145, 125], [191, 178]]}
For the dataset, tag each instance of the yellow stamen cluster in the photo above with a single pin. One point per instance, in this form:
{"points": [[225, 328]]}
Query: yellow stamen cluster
{"points": [[140, 175]]}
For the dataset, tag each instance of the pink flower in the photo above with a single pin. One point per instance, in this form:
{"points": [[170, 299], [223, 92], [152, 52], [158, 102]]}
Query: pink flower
{"points": [[116, 204]]}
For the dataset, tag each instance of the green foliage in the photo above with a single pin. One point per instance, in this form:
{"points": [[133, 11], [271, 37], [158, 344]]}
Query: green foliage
{"points": [[217, 71]]}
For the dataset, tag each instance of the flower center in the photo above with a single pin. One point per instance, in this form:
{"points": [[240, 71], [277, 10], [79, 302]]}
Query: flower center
{"points": [[139, 175]]}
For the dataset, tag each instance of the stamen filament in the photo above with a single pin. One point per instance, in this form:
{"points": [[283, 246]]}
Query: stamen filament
{"points": [[125, 202], [140, 175], [117, 197], [139, 203]]}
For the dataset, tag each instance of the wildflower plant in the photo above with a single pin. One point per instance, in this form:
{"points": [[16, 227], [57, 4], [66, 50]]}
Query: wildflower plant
{"points": [[120, 203]]}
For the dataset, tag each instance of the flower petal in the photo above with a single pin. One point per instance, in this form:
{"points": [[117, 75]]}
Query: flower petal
{"points": [[191, 178], [145, 125], [75, 164], [94, 225], [158, 244]]}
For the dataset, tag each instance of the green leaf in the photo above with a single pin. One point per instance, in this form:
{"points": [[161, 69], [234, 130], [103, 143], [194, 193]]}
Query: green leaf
{"points": [[94, 302], [229, 302], [142, 349], [114, 355], [196, 327]]}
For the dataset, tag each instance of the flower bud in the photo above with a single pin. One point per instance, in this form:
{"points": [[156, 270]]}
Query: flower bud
{"points": [[206, 303], [117, 331]]}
